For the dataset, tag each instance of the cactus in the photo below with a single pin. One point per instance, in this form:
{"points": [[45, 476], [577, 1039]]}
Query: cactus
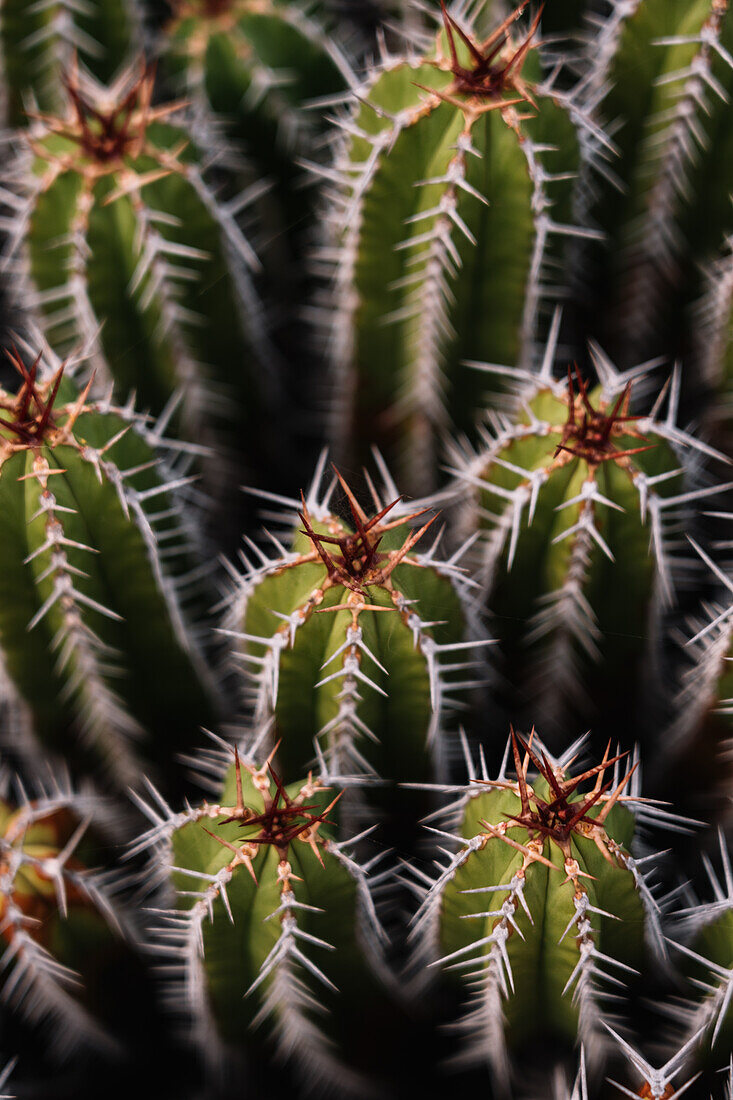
{"points": [[272, 918], [113, 226], [708, 930], [38, 40], [663, 72], [574, 500], [338, 645], [568, 905], [59, 918], [4, 1075], [92, 634], [453, 201], [256, 67]]}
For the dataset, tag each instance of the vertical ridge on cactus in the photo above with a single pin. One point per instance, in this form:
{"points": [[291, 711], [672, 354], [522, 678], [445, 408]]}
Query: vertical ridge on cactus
{"points": [[460, 258], [270, 852], [532, 860], [93, 568], [568, 496], [338, 646]]}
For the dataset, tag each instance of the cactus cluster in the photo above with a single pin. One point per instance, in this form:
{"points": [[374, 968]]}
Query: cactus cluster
{"points": [[445, 286]]}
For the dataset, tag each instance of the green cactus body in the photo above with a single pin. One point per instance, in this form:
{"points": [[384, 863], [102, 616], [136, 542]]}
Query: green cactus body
{"points": [[256, 65], [352, 641], [575, 502], [451, 213], [59, 924], [707, 931], [540, 904], [128, 254], [92, 559], [274, 921], [38, 40], [666, 68]]}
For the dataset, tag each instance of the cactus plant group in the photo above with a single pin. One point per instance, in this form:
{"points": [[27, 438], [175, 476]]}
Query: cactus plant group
{"points": [[430, 302]]}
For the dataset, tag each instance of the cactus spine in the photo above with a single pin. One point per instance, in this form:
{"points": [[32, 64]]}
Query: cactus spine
{"points": [[572, 497], [272, 917], [541, 902], [119, 245], [458, 259], [92, 555], [337, 645]]}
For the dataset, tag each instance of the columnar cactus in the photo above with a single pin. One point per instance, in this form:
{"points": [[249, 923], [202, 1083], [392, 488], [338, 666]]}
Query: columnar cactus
{"points": [[37, 41], [92, 560], [257, 66], [273, 920], [453, 200], [353, 641], [663, 72], [118, 244], [540, 904], [59, 919], [575, 500]]}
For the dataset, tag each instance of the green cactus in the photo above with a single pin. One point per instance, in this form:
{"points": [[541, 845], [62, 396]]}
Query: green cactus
{"points": [[453, 204], [353, 641], [707, 929], [59, 919], [93, 557], [661, 74], [118, 244], [541, 903], [255, 66], [38, 40], [576, 500], [273, 921]]}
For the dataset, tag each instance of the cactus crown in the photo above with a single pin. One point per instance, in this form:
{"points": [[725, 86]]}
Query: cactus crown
{"points": [[31, 409], [354, 560], [589, 433], [495, 66], [283, 820], [109, 125]]}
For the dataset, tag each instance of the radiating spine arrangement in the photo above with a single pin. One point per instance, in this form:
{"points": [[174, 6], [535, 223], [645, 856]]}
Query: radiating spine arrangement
{"points": [[571, 497], [477, 158], [541, 903], [273, 920], [96, 650], [335, 642]]}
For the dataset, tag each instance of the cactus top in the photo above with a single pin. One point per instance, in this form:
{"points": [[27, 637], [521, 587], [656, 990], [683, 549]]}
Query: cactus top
{"points": [[347, 635]]}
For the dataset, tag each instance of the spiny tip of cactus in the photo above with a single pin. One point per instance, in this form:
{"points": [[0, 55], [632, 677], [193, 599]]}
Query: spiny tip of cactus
{"points": [[108, 124], [559, 819], [496, 66], [589, 433], [30, 417], [354, 560], [283, 820]]}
